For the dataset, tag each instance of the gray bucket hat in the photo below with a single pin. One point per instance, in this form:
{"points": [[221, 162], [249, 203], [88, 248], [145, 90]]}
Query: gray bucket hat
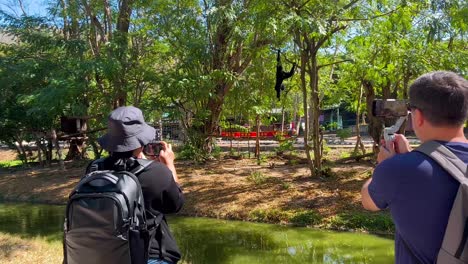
{"points": [[126, 130]]}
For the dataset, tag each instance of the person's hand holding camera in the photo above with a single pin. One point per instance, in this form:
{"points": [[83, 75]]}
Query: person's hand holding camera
{"points": [[386, 151], [167, 156], [402, 145], [399, 145], [162, 152]]}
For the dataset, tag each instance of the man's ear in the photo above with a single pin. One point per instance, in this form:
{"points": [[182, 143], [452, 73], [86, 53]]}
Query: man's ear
{"points": [[418, 118]]}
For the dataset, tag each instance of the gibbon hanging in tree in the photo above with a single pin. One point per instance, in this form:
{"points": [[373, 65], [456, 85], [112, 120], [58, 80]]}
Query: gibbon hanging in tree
{"points": [[281, 75]]}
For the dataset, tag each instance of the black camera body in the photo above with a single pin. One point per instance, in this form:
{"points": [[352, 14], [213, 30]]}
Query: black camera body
{"points": [[389, 108], [153, 148]]}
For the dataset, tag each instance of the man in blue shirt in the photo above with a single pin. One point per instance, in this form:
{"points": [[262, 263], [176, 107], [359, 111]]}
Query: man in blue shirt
{"points": [[418, 192]]}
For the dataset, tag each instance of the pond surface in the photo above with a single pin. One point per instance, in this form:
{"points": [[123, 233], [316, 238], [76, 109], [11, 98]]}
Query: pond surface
{"points": [[204, 240]]}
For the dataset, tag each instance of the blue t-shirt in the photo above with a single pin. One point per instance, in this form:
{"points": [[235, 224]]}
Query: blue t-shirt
{"points": [[420, 195]]}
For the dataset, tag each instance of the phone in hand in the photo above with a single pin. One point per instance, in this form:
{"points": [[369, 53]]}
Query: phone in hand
{"points": [[153, 149]]}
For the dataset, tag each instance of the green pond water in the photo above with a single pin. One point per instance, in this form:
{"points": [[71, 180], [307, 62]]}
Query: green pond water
{"points": [[204, 240]]}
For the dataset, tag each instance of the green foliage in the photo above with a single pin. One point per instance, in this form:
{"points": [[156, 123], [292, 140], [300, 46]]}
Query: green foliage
{"points": [[344, 133], [216, 152], [345, 154], [263, 159], [305, 218], [202, 61], [257, 178], [10, 163], [326, 148], [285, 185], [332, 126], [299, 218], [376, 222], [269, 215], [285, 144], [189, 152], [226, 126]]}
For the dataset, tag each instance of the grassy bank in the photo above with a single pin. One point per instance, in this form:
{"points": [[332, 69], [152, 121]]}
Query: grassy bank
{"points": [[276, 191], [15, 249]]}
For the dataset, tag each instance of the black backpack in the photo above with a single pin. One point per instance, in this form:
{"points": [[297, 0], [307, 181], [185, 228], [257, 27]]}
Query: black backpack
{"points": [[106, 220]]}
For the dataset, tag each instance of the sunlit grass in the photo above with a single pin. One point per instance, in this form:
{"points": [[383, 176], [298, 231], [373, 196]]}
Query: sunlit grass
{"points": [[14, 249], [10, 163]]}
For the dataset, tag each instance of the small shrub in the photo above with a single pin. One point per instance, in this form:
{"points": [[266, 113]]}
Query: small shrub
{"points": [[327, 171], [343, 133], [216, 152], [305, 218], [257, 177], [228, 127], [293, 162], [285, 185], [10, 163], [332, 126], [263, 159], [365, 221], [285, 144], [189, 152], [345, 154], [326, 149], [268, 215]]}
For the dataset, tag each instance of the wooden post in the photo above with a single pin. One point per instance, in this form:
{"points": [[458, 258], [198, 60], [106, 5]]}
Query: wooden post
{"points": [[59, 150], [257, 141]]}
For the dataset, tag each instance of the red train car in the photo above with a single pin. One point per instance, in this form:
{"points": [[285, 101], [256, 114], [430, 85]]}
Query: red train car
{"points": [[253, 135]]}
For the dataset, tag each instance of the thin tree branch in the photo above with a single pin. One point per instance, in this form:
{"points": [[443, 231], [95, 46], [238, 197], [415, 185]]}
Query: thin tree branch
{"points": [[304, 4], [326, 37], [350, 4], [20, 2], [333, 63], [364, 19]]}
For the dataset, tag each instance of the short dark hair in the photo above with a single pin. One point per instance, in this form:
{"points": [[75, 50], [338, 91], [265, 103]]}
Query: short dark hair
{"points": [[442, 96]]}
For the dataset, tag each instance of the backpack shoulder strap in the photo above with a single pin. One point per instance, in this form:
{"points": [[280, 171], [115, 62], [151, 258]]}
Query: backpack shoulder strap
{"points": [[141, 165], [95, 165], [446, 159], [454, 248]]}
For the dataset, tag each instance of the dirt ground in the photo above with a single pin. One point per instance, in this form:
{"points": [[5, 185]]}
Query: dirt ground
{"points": [[226, 188]]}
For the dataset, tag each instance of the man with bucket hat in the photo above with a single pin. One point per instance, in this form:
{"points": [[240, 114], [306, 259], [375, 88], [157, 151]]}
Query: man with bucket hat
{"points": [[127, 137]]}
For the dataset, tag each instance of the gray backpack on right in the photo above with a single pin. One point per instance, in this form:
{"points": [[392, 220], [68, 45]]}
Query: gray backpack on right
{"points": [[454, 248]]}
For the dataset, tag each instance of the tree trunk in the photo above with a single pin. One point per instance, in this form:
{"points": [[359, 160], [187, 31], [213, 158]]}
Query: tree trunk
{"points": [[21, 151], [304, 59], [77, 149], [39, 151], [313, 72], [50, 147], [282, 120], [59, 149], [375, 125], [215, 105], [358, 125], [96, 149], [121, 37]]}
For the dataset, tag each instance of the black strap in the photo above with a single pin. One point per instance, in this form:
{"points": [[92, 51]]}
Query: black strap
{"points": [[142, 164], [154, 226]]}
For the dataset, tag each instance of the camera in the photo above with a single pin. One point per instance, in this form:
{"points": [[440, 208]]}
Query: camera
{"points": [[389, 108], [153, 148]]}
